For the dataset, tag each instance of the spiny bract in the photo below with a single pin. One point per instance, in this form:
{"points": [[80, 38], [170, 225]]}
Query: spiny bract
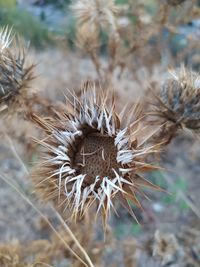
{"points": [[178, 101], [14, 75], [92, 155]]}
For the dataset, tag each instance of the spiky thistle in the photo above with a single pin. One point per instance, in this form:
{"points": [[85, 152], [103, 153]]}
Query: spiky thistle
{"points": [[14, 74], [92, 155], [177, 103], [98, 12], [93, 17]]}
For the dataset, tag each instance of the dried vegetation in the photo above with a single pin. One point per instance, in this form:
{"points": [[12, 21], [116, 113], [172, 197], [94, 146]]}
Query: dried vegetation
{"points": [[97, 149]]}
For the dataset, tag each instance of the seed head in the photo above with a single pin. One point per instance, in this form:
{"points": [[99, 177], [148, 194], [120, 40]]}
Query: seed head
{"points": [[98, 12], [92, 155], [178, 101], [14, 74]]}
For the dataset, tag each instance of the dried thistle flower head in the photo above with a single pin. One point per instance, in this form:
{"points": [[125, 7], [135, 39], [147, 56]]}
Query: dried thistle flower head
{"points": [[178, 101], [14, 74], [98, 12], [92, 155]]}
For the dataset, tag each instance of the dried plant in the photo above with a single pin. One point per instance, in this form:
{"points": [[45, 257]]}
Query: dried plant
{"points": [[127, 43], [88, 40], [94, 17], [93, 155], [98, 12], [175, 2], [35, 253], [177, 103], [130, 247], [15, 76], [165, 247], [87, 37], [10, 255]]}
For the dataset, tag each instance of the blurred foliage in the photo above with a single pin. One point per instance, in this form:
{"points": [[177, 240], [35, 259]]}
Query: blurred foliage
{"points": [[121, 2], [26, 25], [7, 4], [179, 185], [151, 8], [70, 32], [58, 3], [35, 29], [136, 229], [124, 229]]}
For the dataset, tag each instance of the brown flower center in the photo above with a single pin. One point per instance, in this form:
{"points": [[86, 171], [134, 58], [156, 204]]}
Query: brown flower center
{"points": [[97, 156]]}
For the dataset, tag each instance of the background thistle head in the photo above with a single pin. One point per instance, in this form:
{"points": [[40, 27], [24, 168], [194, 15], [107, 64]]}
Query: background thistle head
{"points": [[15, 74], [177, 103], [98, 12]]}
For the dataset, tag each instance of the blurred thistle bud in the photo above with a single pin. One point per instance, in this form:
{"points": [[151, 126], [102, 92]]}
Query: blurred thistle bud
{"points": [[99, 12], [88, 37], [165, 248], [175, 2], [178, 101], [93, 155], [14, 74]]}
